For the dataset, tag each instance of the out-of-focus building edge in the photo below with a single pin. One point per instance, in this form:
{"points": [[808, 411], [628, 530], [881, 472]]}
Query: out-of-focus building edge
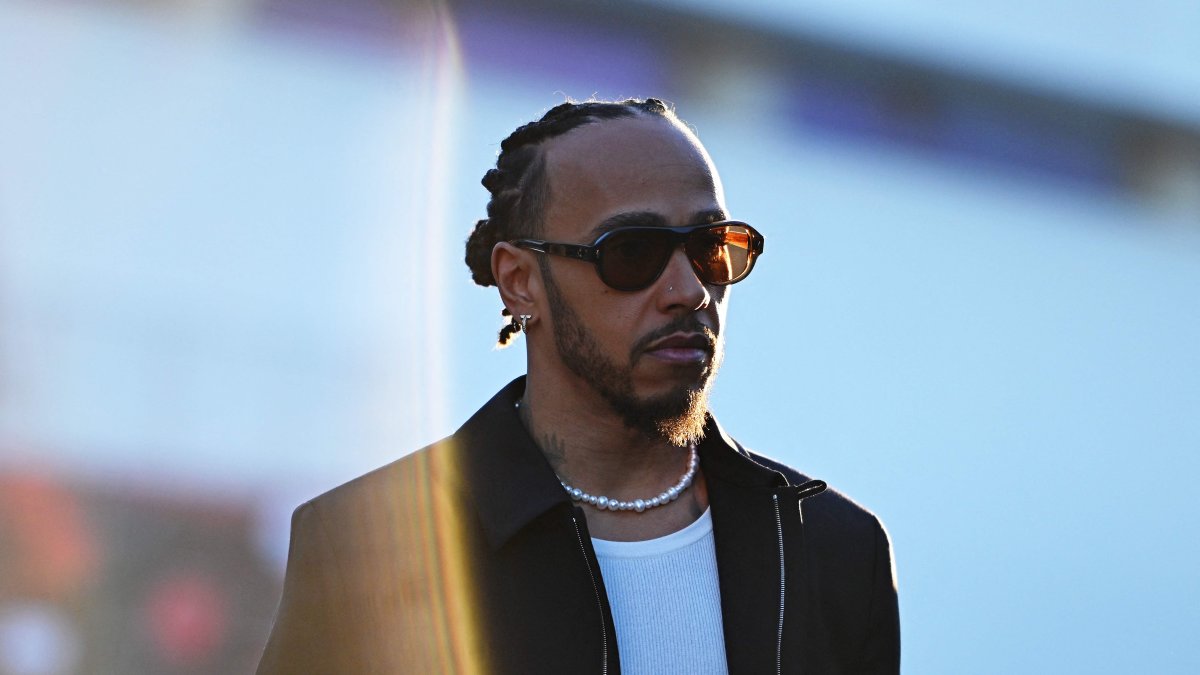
{"points": [[1133, 151], [794, 75]]}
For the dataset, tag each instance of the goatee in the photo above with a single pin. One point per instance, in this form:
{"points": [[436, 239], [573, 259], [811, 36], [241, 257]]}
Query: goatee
{"points": [[676, 416]]}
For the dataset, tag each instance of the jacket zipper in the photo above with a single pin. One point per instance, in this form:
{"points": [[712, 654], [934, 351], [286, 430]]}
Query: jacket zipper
{"points": [[806, 490], [596, 590], [782, 588]]}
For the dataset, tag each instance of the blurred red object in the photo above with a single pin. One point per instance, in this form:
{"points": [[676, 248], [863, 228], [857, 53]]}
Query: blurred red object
{"points": [[47, 549], [187, 616]]}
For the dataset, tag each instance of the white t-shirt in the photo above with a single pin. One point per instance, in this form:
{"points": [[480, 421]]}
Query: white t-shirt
{"points": [[666, 601]]}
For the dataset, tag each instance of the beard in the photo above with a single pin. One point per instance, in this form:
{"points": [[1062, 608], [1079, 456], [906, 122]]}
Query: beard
{"points": [[676, 416]]}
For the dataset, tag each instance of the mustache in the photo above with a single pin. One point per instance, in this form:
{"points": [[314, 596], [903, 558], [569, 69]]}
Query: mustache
{"points": [[687, 323]]}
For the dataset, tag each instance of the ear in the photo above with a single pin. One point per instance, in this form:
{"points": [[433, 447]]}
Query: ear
{"points": [[517, 277]]}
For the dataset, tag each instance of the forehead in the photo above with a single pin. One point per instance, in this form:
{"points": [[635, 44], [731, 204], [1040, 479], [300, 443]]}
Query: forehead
{"points": [[637, 164]]}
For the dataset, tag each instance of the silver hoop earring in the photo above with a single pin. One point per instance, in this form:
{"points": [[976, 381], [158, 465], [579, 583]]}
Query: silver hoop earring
{"points": [[525, 322]]}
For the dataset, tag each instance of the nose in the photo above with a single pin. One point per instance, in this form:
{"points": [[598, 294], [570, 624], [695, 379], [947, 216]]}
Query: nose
{"points": [[679, 289]]}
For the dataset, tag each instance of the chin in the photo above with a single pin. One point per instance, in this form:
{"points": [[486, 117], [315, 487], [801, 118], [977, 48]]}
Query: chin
{"points": [[676, 416], [686, 428]]}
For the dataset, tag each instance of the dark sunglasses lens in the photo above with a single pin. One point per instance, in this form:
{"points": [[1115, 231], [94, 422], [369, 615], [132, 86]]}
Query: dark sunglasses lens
{"points": [[723, 254], [632, 260]]}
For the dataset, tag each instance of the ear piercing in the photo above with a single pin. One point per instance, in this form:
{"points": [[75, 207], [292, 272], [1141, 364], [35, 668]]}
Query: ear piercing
{"points": [[525, 322]]}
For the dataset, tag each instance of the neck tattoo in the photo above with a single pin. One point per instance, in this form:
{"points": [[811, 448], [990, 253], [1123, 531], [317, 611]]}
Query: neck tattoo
{"points": [[637, 505]]}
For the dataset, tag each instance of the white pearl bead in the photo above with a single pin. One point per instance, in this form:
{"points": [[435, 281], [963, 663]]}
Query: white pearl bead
{"points": [[639, 505], [673, 492], [602, 503]]}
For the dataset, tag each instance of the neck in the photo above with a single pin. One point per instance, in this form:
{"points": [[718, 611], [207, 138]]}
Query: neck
{"points": [[589, 447]]}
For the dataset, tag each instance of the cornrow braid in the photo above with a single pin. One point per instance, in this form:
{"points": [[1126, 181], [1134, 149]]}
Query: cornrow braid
{"points": [[518, 188], [509, 330]]}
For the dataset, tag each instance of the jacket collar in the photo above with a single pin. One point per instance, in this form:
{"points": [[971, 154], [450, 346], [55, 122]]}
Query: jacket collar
{"points": [[725, 458], [510, 482], [507, 476]]}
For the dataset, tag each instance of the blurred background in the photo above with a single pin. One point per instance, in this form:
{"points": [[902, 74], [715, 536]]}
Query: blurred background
{"points": [[230, 279]]}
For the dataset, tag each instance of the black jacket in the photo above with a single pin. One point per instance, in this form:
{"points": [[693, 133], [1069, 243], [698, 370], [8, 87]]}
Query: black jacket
{"points": [[468, 556]]}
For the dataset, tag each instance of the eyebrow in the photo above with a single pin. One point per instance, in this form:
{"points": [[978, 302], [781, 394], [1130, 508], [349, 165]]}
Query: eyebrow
{"points": [[652, 219]]}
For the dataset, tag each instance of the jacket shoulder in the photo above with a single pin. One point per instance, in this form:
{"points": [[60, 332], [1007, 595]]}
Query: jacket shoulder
{"points": [[361, 592], [832, 508], [410, 476], [855, 576], [374, 531]]}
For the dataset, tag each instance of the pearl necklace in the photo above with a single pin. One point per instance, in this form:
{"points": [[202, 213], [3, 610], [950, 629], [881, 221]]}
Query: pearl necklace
{"points": [[639, 505], [669, 495]]}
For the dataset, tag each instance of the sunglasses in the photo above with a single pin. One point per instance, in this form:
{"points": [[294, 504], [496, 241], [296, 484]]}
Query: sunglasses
{"points": [[632, 258]]}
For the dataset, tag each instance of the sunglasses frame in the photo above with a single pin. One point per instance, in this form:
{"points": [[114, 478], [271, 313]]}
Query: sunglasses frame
{"points": [[677, 235]]}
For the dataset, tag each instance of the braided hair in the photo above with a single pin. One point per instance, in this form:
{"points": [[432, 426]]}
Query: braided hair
{"points": [[518, 187]]}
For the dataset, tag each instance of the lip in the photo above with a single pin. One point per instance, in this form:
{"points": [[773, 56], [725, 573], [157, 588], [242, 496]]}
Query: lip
{"points": [[681, 348]]}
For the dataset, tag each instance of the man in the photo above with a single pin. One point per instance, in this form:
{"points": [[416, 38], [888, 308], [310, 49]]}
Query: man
{"points": [[593, 517]]}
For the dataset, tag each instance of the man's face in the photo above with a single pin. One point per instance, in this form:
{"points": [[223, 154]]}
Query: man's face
{"points": [[651, 354]]}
